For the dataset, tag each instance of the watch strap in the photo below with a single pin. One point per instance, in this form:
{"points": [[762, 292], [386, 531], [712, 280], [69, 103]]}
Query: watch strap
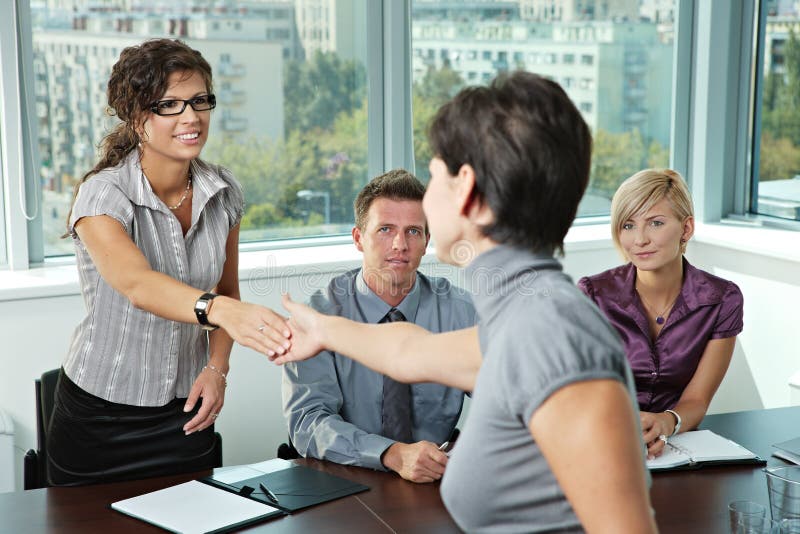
{"points": [[201, 308]]}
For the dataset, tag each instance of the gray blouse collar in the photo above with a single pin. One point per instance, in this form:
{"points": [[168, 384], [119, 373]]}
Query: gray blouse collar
{"points": [[205, 184]]}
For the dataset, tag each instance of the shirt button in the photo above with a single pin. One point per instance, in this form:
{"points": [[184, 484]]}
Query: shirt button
{"points": [[654, 373]]}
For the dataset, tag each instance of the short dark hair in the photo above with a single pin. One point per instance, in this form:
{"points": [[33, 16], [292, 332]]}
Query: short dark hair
{"points": [[397, 184], [531, 152]]}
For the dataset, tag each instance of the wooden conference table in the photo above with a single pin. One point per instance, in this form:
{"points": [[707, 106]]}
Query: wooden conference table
{"points": [[686, 502]]}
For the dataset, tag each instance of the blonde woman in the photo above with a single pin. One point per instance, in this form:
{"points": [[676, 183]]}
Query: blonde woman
{"points": [[678, 324]]}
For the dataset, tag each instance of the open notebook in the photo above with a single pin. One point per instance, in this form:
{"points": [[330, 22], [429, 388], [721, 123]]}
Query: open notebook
{"points": [[702, 447]]}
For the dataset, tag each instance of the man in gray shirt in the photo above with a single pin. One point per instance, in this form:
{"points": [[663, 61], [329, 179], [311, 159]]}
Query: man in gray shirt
{"points": [[340, 410]]}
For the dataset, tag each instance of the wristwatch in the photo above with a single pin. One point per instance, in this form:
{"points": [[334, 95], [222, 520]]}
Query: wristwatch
{"points": [[201, 308], [677, 417]]}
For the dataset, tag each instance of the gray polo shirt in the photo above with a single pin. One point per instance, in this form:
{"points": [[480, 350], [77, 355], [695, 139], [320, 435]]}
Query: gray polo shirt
{"points": [[538, 333], [124, 354], [333, 404]]}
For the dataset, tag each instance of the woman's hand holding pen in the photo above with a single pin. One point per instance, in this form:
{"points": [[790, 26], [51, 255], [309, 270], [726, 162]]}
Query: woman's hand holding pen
{"points": [[654, 426], [251, 325]]}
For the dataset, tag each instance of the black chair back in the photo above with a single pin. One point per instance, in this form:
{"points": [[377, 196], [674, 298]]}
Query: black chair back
{"points": [[286, 451], [35, 461]]}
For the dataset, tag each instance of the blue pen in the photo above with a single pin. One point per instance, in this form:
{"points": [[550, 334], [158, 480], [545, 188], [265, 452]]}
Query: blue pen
{"points": [[271, 496]]}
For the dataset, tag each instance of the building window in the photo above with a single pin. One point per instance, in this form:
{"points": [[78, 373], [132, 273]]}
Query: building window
{"points": [[620, 147], [302, 127], [775, 184]]}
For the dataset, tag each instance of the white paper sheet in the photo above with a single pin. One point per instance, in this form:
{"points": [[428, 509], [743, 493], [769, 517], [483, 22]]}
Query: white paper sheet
{"points": [[192, 508]]}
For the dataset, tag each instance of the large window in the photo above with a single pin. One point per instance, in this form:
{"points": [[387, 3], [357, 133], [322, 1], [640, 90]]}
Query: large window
{"points": [[614, 59], [291, 85], [775, 182]]}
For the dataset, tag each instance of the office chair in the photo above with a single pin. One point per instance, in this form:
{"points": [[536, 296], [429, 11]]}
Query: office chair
{"points": [[286, 451], [35, 462]]}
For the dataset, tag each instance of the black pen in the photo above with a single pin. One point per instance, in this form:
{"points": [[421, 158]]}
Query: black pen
{"points": [[271, 496]]}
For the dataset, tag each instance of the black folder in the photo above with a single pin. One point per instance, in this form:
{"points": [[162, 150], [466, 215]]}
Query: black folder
{"points": [[295, 487]]}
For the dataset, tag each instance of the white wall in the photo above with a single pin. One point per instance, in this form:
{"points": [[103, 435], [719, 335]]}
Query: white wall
{"points": [[36, 332]]}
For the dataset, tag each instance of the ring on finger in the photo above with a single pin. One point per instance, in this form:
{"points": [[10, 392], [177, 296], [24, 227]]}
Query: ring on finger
{"points": [[663, 438], [262, 327], [214, 415]]}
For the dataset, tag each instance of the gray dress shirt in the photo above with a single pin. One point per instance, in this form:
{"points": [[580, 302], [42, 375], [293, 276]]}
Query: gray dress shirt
{"points": [[333, 404], [124, 354]]}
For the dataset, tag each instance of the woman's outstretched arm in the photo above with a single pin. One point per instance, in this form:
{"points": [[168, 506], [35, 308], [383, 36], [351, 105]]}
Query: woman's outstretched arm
{"points": [[404, 351]]}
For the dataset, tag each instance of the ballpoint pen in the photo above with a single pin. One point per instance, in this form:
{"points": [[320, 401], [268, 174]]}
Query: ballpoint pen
{"points": [[271, 496]]}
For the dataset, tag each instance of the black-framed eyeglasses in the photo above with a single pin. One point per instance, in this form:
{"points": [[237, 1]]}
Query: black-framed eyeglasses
{"points": [[176, 107]]}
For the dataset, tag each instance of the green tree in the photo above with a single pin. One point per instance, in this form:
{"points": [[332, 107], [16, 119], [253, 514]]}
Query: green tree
{"points": [[779, 158], [781, 97], [616, 156], [317, 90], [427, 96]]}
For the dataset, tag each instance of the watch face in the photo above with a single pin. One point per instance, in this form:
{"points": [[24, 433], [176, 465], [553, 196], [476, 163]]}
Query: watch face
{"points": [[201, 305]]}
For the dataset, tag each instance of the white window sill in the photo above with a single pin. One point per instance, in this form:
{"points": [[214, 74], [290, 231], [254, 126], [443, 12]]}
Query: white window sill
{"points": [[747, 237], [62, 280]]}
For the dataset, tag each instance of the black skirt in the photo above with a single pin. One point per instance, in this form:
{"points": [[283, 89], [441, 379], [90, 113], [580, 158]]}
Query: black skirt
{"points": [[91, 440]]}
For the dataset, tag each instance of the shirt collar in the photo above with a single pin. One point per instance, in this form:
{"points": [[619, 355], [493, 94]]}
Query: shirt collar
{"points": [[696, 290], [205, 184], [374, 308]]}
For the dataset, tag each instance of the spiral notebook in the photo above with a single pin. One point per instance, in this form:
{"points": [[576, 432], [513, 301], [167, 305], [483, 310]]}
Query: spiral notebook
{"points": [[699, 448]]}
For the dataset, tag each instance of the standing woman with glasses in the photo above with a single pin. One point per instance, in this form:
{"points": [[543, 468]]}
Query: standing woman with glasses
{"points": [[156, 234], [678, 323]]}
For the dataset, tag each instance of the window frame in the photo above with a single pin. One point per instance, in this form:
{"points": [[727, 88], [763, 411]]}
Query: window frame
{"points": [[719, 167]]}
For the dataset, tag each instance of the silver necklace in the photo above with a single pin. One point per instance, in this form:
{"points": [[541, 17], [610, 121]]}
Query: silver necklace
{"points": [[185, 192], [659, 316]]}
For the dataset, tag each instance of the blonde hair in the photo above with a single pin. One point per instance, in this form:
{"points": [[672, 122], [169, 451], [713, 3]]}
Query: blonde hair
{"points": [[643, 190]]}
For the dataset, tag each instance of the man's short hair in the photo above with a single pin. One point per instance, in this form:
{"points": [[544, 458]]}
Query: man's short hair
{"points": [[397, 184], [531, 152]]}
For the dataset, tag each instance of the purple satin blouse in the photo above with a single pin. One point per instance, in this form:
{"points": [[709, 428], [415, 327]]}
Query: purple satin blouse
{"points": [[708, 307]]}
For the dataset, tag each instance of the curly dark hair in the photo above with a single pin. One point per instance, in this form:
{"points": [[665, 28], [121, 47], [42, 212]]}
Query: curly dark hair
{"points": [[139, 78]]}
